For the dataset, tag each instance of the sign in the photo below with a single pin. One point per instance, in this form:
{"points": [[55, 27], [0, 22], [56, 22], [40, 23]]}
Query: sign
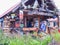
{"points": [[39, 13], [21, 14], [12, 15]]}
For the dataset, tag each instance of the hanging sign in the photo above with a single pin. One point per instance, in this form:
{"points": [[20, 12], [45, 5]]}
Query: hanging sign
{"points": [[12, 15], [20, 14]]}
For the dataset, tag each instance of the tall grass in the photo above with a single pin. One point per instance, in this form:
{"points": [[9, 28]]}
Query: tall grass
{"points": [[24, 40], [56, 36]]}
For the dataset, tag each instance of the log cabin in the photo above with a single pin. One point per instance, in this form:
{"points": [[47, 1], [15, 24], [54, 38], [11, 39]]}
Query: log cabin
{"points": [[28, 15]]}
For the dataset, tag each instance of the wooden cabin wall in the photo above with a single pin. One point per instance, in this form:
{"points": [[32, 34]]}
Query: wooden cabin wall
{"points": [[6, 25]]}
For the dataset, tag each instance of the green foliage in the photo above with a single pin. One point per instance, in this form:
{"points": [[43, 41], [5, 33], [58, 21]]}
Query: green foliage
{"points": [[56, 36], [24, 40], [46, 40]]}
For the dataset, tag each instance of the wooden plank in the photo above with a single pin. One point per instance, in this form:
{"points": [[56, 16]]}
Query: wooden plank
{"points": [[12, 19], [29, 12], [30, 29], [39, 20]]}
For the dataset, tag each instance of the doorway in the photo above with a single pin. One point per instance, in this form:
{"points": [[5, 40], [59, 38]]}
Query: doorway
{"points": [[32, 21]]}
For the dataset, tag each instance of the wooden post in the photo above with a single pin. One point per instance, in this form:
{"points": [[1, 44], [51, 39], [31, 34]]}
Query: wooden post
{"points": [[25, 22], [49, 28], [58, 22], [39, 21], [21, 15]]}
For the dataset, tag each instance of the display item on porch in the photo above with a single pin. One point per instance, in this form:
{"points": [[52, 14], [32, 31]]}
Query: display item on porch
{"points": [[17, 25], [43, 26], [45, 22], [51, 24], [36, 23], [20, 14], [12, 15], [17, 18], [8, 17], [21, 25]]}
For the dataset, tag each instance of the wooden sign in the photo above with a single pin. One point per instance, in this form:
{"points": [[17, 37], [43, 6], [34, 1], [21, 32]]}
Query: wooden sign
{"points": [[12, 15], [30, 29]]}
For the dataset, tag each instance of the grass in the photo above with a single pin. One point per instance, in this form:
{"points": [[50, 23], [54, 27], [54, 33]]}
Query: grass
{"points": [[24, 40], [56, 36]]}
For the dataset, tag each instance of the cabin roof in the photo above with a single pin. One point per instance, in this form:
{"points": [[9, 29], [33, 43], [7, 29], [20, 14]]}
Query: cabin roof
{"points": [[17, 4], [39, 12], [9, 6]]}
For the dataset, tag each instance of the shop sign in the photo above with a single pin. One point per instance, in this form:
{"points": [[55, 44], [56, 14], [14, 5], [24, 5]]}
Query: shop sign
{"points": [[12, 15]]}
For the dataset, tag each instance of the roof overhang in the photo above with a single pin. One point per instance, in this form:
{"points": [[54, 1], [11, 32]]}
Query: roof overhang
{"points": [[35, 12], [13, 5]]}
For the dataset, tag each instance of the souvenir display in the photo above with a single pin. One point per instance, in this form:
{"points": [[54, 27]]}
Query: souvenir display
{"points": [[21, 25], [36, 23], [21, 14], [17, 25], [12, 15], [51, 24]]}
